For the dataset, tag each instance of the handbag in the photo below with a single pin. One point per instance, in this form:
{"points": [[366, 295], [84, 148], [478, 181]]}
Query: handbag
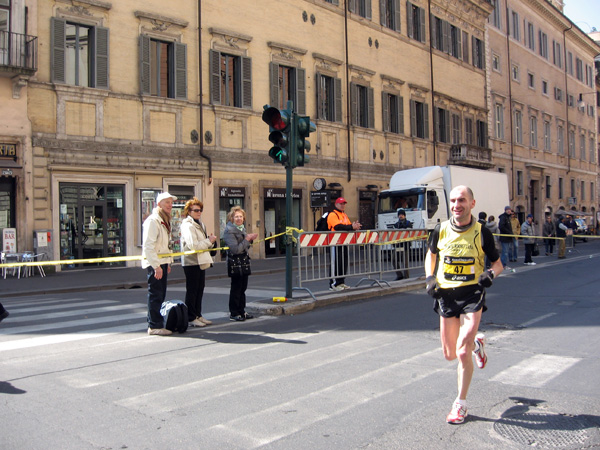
{"points": [[536, 250], [213, 253], [238, 265]]}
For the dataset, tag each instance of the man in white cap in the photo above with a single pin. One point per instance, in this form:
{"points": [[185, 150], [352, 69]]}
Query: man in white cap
{"points": [[156, 241]]}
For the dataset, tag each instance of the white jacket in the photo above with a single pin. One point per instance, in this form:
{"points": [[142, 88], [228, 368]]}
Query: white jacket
{"points": [[193, 237], [156, 240]]}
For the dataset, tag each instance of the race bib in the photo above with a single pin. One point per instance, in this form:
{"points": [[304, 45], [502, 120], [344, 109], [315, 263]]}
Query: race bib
{"points": [[459, 268]]}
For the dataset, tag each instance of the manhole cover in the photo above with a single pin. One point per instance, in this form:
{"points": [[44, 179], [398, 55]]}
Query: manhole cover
{"points": [[544, 430]]}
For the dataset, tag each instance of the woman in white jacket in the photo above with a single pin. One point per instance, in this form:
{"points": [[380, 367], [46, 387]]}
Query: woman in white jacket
{"points": [[156, 240], [193, 238]]}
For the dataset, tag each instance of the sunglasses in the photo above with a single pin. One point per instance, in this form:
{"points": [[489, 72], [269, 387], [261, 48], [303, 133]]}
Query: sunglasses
{"points": [[197, 210]]}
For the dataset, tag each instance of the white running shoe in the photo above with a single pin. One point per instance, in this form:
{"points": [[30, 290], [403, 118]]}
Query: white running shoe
{"points": [[457, 415], [479, 351]]}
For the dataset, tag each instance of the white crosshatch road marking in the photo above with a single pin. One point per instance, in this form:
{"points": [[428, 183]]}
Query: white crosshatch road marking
{"points": [[536, 370]]}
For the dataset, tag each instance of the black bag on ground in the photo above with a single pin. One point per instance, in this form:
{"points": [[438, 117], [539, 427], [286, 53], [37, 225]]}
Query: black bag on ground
{"points": [[536, 250], [322, 223], [238, 265], [175, 314]]}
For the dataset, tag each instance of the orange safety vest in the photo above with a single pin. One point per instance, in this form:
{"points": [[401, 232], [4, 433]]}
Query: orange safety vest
{"points": [[336, 217]]}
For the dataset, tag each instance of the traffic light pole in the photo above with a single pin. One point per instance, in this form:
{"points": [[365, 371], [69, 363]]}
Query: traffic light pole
{"points": [[289, 202]]}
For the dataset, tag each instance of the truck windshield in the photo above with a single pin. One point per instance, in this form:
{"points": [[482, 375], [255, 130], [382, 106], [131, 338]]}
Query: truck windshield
{"points": [[411, 200]]}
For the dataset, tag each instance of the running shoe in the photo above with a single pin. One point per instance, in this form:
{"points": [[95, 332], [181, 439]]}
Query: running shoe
{"points": [[479, 351], [457, 415]]}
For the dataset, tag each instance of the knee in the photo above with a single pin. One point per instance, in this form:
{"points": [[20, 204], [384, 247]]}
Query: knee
{"points": [[449, 354]]}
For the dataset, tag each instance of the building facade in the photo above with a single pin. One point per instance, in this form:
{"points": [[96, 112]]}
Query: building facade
{"points": [[542, 108]]}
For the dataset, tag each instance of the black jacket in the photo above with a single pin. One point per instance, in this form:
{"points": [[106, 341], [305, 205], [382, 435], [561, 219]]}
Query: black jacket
{"points": [[504, 227]]}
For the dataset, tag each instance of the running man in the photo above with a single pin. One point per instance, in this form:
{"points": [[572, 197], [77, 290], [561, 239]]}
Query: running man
{"points": [[456, 279]]}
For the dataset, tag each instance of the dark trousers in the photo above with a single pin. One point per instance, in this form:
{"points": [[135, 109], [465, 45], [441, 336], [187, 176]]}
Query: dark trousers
{"points": [[237, 295], [528, 251], [339, 265], [157, 291], [549, 246], [194, 290]]}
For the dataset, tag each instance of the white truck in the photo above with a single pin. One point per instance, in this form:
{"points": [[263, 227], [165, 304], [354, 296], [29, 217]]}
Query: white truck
{"points": [[424, 194]]}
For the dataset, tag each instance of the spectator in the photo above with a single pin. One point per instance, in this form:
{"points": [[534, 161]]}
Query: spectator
{"points": [[482, 217], [528, 229], [549, 231], [572, 225], [193, 238], [505, 228], [516, 229], [338, 220], [561, 233], [157, 241], [493, 227], [238, 241], [401, 249], [3, 313]]}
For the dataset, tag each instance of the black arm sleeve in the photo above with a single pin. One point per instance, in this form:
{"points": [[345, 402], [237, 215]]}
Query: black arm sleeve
{"points": [[489, 244], [433, 240], [342, 227]]}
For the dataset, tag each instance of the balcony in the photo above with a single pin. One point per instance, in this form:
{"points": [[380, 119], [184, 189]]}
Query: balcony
{"points": [[471, 156], [18, 54]]}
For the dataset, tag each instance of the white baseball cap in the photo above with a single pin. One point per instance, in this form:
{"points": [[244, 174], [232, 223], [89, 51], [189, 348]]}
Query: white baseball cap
{"points": [[163, 196]]}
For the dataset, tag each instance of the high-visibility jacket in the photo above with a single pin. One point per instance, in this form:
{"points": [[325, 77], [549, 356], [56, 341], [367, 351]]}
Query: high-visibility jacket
{"points": [[339, 221]]}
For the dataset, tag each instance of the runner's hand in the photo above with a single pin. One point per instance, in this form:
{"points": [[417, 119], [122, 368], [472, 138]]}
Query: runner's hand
{"points": [[485, 279], [432, 286]]}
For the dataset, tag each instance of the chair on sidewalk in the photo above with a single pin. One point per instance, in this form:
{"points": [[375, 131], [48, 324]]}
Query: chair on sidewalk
{"points": [[29, 271], [8, 258]]}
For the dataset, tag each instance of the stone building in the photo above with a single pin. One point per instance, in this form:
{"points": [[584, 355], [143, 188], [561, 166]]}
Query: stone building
{"points": [[542, 107], [131, 98]]}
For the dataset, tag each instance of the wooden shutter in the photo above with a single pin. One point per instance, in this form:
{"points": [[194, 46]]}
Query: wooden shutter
{"points": [[145, 65], [434, 34], [101, 46], [368, 14], [447, 126], [382, 11], [397, 26], [458, 43], [301, 91], [371, 110], [409, 20], [413, 118], [180, 69], [400, 115], [246, 82], [465, 43], [274, 89], [58, 44], [338, 99], [447, 41], [421, 24], [385, 111], [215, 77], [353, 114], [352, 5]]}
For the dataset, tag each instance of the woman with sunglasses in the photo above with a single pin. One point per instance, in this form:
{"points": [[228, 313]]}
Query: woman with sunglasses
{"points": [[194, 237]]}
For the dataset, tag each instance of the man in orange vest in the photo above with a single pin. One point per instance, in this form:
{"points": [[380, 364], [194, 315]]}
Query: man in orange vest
{"points": [[338, 220]]}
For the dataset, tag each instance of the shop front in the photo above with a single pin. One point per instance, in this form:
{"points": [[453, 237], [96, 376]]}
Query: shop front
{"points": [[276, 218], [92, 223], [9, 170]]}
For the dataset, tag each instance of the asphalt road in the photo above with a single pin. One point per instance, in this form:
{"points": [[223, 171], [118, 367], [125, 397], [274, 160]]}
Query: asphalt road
{"points": [[78, 371]]}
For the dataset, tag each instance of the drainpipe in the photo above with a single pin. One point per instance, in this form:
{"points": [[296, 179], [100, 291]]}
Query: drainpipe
{"points": [[510, 108], [200, 110], [567, 97], [434, 118], [347, 91]]}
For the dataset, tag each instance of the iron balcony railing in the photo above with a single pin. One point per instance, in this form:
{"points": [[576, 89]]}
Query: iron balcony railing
{"points": [[18, 52]]}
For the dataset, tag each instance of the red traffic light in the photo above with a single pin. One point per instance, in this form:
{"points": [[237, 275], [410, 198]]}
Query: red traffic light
{"points": [[275, 118]]}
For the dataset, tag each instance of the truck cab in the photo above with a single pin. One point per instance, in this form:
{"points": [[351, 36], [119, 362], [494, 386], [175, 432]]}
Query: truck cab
{"points": [[424, 207]]}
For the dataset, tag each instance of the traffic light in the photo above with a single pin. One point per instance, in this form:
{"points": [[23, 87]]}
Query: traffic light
{"points": [[305, 127], [279, 130]]}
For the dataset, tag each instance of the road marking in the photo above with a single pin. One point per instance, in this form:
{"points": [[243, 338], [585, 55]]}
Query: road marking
{"points": [[535, 371], [71, 312], [257, 293]]}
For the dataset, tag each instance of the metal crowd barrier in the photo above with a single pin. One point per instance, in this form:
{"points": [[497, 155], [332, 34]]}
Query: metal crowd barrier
{"points": [[367, 254]]}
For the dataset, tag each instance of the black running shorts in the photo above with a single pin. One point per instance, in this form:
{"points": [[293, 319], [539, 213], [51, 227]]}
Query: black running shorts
{"points": [[461, 300]]}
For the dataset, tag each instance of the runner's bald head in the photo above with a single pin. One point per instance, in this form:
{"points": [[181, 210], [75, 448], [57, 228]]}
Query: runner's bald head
{"points": [[467, 191]]}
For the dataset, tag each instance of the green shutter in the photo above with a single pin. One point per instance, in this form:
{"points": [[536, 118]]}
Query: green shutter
{"points": [[385, 111], [101, 46], [397, 26], [58, 46], [368, 14], [246, 82], [145, 65], [409, 20], [353, 114], [180, 68], [215, 77], [301, 91], [371, 110], [274, 90], [425, 121], [338, 99], [400, 115], [413, 118]]}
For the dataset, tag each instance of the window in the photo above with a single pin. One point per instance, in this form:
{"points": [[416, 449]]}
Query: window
{"points": [[571, 143], [560, 138], [518, 127], [558, 94], [419, 119], [578, 69], [530, 36], [519, 182], [79, 54], [362, 107], [455, 42], [360, 7], [544, 87], [570, 101], [557, 53], [496, 17], [439, 33], [469, 130], [393, 113], [513, 27], [583, 191], [455, 129], [592, 191], [482, 133], [415, 18], [548, 187], [230, 80], [288, 83], [582, 151], [531, 80], [561, 193], [589, 78], [573, 193], [543, 37], [389, 11], [163, 68], [478, 53], [547, 136], [592, 151], [496, 62], [442, 132], [499, 121], [329, 98], [465, 44], [570, 63], [533, 132], [515, 73]]}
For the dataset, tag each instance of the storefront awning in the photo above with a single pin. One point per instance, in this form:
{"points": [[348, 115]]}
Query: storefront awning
{"points": [[10, 168]]}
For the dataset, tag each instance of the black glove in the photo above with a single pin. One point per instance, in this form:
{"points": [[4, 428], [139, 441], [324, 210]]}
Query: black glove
{"points": [[432, 286], [485, 279]]}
